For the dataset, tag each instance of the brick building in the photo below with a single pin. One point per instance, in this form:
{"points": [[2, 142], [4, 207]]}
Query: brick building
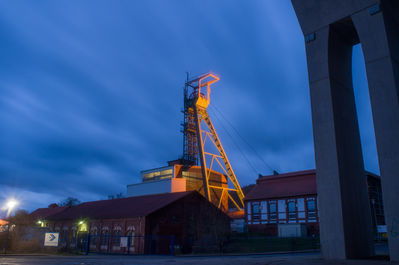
{"points": [[188, 216], [291, 198], [42, 213]]}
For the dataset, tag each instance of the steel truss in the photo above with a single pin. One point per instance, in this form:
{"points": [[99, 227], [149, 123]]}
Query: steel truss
{"points": [[195, 137]]}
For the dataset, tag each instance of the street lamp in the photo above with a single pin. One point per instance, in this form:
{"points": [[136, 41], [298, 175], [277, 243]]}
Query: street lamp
{"points": [[10, 205]]}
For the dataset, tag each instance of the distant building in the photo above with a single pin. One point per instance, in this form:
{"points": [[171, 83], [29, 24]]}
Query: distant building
{"points": [[3, 225], [286, 204], [187, 216], [178, 178]]}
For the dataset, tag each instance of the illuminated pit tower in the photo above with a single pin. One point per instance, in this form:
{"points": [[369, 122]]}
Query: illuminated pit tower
{"points": [[201, 142]]}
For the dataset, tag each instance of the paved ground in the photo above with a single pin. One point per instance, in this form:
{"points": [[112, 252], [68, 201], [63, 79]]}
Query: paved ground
{"points": [[281, 259]]}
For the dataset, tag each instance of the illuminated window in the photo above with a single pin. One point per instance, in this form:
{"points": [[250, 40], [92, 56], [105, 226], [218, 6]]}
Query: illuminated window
{"points": [[158, 175], [83, 227], [166, 172], [148, 176]]}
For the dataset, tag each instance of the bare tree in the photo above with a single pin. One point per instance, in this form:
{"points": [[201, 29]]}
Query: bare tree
{"points": [[70, 201]]}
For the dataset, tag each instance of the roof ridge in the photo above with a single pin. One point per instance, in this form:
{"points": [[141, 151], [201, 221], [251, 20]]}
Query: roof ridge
{"points": [[128, 207], [288, 174], [130, 197]]}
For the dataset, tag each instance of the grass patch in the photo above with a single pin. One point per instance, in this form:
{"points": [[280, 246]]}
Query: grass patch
{"points": [[259, 244]]}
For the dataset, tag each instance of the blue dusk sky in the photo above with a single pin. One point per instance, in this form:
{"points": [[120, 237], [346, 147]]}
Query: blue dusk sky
{"points": [[92, 91]]}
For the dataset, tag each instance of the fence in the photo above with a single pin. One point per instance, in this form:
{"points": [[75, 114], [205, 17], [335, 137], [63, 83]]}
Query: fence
{"points": [[166, 245], [131, 245], [117, 244], [32, 241]]}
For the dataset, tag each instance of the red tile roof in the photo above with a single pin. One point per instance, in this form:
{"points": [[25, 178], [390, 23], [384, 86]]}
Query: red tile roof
{"points": [[120, 208], [43, 213], [284, 185]]}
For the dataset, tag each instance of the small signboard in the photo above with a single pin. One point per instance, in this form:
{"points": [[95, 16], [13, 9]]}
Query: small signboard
{"points": [[51, 239], [381, 228], [123, 242]]}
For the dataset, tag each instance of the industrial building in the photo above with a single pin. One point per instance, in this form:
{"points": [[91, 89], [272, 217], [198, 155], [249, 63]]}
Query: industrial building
{"points": [[287, 205], [187, 216], [177, 177]]}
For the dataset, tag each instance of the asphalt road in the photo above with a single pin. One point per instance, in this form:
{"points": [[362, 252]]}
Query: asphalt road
{"points": [[278, 259]]}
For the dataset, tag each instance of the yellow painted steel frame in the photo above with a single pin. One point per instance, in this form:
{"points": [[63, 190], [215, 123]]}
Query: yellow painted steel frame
{"points": [[205, 81], [201, 114]]}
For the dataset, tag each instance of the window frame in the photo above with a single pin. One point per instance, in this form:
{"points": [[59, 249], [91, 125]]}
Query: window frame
{"points": [[255, 214], [292, 215], [273, 215], [311, 214]]}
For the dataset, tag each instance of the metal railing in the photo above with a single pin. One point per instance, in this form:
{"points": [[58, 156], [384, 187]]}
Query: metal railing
{"points": [[119, 244]]}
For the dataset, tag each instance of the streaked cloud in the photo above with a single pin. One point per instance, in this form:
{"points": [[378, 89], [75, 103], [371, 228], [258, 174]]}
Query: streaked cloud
{"points": [[91, 91]]}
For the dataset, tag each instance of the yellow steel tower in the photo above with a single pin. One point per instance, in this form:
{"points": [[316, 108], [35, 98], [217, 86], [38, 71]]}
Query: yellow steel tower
{"points": [[196, 102]]}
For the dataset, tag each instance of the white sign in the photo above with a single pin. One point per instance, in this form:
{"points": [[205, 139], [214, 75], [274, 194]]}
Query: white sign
{"points": [[51, 239], [123, 242], [381, 228]]}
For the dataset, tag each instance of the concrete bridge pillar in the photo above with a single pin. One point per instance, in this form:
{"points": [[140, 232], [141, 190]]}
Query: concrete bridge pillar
{"points": [[331, 28]]}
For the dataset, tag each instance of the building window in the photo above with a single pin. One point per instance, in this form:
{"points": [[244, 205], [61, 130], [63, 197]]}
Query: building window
{"points": [[64, 235], [131, 233], [255, 211], [272, 210], [74, 234], [263, 211], [311, 208], [94, 230], [104, 236], [248, 210], [94, 235], [158, 175], [116, 236], [291, 210]]}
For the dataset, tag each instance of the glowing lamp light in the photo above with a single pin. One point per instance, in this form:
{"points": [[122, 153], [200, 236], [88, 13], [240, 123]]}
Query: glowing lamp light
{"points": [[11, 204], [41, 223], [82, 226]]}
